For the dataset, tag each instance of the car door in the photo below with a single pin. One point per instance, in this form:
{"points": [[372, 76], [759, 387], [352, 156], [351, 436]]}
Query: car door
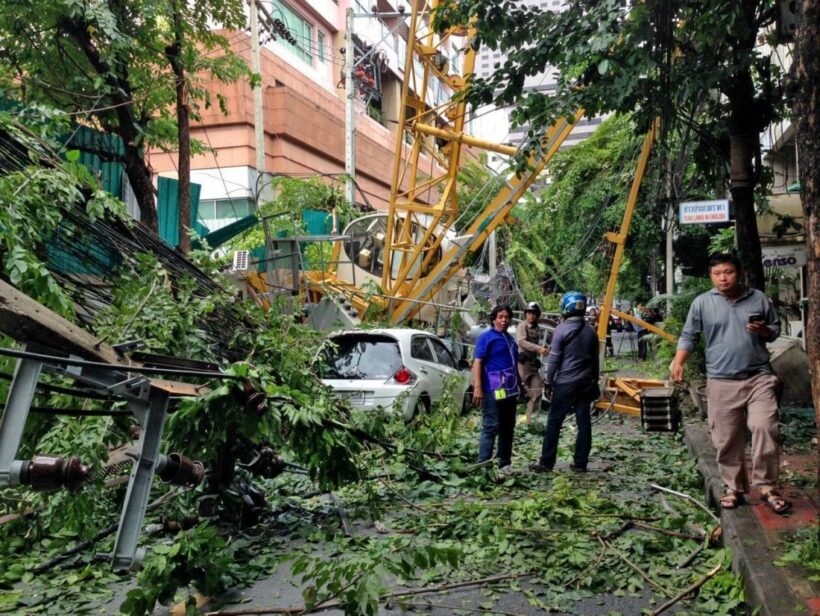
{"points": [[431, 373], [446, 362]]}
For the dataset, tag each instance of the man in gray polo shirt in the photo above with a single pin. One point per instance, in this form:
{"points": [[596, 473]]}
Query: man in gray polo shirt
{"points": [[740, 388]]}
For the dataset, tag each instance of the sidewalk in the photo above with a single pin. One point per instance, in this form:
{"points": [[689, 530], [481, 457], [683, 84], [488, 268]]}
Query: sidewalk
{"points": [[758, 537]]}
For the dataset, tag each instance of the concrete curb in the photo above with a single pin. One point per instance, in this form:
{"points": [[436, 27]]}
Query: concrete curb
{"points": [[765, 586]]}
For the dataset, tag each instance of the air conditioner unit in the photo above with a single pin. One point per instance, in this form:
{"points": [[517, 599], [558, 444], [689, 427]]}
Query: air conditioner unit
{"points": [[364, 258], [241, 261]]}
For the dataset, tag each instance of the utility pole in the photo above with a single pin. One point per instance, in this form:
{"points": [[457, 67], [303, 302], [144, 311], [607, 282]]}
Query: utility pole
{"points": [[350, 93], [259, 134], [258, 114], [670, 256], [350, 116]]}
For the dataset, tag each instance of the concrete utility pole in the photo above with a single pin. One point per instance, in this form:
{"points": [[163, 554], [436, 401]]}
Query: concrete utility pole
{"points": [[350, 92], [670, 256], [350, 108], [258, 113]]}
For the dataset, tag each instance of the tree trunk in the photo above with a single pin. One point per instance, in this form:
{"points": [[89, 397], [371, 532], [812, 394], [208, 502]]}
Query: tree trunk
{"points": [[128, 126], [174, 54], [139, 177], [184, 165], [744, 144], [805, 99], [745, 125]]}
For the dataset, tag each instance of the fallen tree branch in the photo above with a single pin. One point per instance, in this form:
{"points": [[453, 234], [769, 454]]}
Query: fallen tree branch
{"points": [[102, 534], [453, 608], [389, 486], [592, 567], [50, 564], [688, 590], [620, 530], [688, 560], [634, 567], [366, 436], [664, 531], [439, 588], [689, 498], [394, 595]]}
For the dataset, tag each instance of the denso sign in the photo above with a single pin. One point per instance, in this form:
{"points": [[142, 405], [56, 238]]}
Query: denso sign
{"points": [[784, 256]]}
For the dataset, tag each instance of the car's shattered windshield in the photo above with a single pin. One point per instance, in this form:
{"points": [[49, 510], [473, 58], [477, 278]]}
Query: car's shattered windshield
{"points": [[359, 357]]}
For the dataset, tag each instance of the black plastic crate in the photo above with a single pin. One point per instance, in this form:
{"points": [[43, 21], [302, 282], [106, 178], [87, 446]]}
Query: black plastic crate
{"points": [[659, 410]]}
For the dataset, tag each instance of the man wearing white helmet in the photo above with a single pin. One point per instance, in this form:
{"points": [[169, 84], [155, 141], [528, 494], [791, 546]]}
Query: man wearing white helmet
{"points": [[530, 352]]}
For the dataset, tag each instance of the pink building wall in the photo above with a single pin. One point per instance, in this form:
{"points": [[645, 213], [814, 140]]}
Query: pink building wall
{"points": [[304, 129]]}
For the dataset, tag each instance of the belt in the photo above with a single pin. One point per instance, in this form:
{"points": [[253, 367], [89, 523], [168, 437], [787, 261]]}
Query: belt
{"points": [[741, 376]]}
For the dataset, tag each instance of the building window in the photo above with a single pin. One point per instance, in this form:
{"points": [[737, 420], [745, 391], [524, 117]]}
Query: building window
{"points": [[222, 209], [322, 47], [300, 28]]}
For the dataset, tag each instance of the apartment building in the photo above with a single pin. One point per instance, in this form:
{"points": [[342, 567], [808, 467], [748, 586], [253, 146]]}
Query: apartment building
{"points": [[489, 60], [304, 105], [784, 252]]}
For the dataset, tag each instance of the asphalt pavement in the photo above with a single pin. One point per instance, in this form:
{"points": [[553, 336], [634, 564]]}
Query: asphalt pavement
{"points": [[766, 548]]}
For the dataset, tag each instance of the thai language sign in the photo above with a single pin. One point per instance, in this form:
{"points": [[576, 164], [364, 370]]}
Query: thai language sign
{"points": [[704, 212]]}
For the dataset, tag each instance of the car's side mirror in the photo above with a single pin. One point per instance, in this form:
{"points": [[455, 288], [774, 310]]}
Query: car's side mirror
{"points": [[463, 364]]}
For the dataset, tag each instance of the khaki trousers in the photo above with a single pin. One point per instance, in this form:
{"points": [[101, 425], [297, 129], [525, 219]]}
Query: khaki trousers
{"points": [[733, 406], [534, 384]]}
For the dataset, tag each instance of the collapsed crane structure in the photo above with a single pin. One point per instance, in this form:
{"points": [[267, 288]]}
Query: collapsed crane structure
{"points": [[414, 250]]}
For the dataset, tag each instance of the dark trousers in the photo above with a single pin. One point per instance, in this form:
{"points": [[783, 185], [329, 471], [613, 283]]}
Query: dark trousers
{"points": [[568, 398], [498, 420], [642, 344]]}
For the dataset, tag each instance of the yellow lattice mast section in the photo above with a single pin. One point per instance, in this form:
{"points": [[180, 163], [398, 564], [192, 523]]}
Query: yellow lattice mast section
{"points": [[423, 202]]}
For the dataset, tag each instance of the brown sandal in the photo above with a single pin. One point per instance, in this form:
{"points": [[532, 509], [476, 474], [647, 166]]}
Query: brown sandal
{"points": [[731, 500], [774, 501]]}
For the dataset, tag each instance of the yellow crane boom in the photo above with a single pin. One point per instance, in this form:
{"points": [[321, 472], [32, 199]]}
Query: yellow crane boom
{"points": [[424, 206]]}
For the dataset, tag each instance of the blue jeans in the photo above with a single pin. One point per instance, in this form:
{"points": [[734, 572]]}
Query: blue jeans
{"points": [[498, 419], [569, 398]]}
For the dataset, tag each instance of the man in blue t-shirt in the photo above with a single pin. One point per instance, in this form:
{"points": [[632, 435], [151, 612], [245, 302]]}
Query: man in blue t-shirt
{"points": [[495, 387]]}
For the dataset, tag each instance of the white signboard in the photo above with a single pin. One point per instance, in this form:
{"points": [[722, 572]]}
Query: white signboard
{"points": [[704, 212], [784, 256]]}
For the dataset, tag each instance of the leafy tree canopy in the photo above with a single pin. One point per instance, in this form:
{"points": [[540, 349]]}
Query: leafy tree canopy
{"points": [[109, 64], [560, 247], [643, 58], [681, 61]]}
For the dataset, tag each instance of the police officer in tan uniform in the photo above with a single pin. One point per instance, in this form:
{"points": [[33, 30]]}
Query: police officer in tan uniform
{"points": [[530, 352]]}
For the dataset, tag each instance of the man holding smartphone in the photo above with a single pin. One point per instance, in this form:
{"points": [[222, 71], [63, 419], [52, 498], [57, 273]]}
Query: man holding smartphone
{"points": [[740, 388]]}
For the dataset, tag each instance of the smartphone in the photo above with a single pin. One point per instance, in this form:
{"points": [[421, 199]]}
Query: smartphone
{"points": [[755, 317]]}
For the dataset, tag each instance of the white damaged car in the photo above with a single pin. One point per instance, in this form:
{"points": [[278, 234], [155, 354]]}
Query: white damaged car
{"points": [[405, 369]]}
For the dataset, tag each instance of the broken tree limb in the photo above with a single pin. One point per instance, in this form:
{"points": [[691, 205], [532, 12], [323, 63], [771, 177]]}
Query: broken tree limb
{"points": [[453, 609], [389, 486], [664, 531], [688, 560], [688, 590], [394, 595], [687, 497], [592, 567], [620, 530], [634, 567]]}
